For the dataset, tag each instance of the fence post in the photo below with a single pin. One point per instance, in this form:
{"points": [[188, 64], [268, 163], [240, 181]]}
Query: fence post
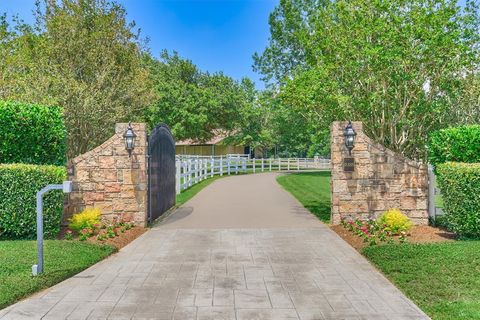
{"points": [[178, 176], [244, 164], [279, 164], [270, 163], [212, 167], [236, 165], [228, 165], [288, 164], [253, 164], [205, 166], [431, 192], [262, 165], [221, 165], [298, 164], [196, 170], [190, 172]]}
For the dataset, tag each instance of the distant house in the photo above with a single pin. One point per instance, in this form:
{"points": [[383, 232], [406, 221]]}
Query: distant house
{"points": [[212, 147]]}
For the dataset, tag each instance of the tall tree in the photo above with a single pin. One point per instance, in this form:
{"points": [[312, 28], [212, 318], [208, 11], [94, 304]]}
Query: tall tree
{"points": [[84, 56], [195, 104], [399, 66]]}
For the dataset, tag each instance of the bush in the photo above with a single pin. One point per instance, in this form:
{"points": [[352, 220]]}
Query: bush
{"points": [[19, 184], [460, 187], [85, 219], [459, 144], [31, 134], [394, 221]]}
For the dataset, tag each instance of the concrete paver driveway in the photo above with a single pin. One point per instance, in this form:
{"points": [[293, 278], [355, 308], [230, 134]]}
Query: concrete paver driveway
{"points": [[242, 249]]}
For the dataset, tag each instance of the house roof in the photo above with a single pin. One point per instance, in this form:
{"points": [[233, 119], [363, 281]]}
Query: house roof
{"points": [[217, 138]]}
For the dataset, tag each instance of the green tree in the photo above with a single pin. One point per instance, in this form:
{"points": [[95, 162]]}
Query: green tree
{"points": [[195, 104], [401, 67], [82, 55]]}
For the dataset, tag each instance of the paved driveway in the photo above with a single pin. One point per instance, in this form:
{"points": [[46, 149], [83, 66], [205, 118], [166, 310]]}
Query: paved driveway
{"points": [[242, 249]]}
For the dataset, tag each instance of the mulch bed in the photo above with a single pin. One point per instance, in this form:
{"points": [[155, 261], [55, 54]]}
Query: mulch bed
{"points": [[122, 239], [418, 234]]}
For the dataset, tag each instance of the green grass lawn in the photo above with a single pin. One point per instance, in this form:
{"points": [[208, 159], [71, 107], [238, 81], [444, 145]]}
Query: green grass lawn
{"points": [[312, 189], [443, 279], [62, 259]]}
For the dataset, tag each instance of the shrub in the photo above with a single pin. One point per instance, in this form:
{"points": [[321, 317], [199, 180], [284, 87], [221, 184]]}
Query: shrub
{"points": [[459, 144], [394, 221], [31, 134], [19, 184], [460, 187], [85, 219]]}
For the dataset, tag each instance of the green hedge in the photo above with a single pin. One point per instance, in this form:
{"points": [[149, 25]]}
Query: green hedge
{"points": [[460, 187], [459, 144], [31, 134], [19, 184]]}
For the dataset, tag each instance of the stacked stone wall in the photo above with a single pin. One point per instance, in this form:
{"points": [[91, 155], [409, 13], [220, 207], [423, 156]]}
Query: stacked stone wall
{"points": [[109, 179], [381, 180]]}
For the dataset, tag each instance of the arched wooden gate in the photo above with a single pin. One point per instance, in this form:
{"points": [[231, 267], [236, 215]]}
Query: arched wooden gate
{"points": [[161, 171]]}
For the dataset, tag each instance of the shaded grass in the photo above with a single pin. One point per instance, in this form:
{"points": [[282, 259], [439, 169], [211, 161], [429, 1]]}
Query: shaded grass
{"points": [[62, 259], [442, 279], [312, 189]]}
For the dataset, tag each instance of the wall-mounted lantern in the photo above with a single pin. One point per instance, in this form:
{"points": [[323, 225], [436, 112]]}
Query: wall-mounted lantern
{"points": [[349, 134], [129, 137]]}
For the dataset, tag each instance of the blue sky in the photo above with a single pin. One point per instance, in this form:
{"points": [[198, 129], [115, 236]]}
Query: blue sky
{"points": [[217, 35]]}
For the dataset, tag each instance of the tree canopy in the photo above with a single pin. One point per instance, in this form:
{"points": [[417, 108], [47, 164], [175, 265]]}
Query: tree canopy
{"points": [[404, 68], [83, 56], [195, 104]]}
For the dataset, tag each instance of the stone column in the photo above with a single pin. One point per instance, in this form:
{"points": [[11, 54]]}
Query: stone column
{"points": [[381, 180], [109, 179]]}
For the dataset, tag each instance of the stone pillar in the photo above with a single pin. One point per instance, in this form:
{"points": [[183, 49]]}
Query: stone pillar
{"points": [[381, 180], [109, 179]]}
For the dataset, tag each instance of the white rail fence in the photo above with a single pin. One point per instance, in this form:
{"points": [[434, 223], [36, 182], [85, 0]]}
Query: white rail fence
{"points": [[193, 169]]}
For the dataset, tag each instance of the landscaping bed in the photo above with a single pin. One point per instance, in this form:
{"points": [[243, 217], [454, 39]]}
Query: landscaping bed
{"points": [[62, 259], [122, 239], [418, 234]]}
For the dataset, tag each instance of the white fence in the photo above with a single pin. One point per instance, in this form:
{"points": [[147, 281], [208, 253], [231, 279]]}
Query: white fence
{"points": [[192, 169]]}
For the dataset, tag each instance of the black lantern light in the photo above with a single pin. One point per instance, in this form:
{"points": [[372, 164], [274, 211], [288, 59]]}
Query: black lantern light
{"points": [[129, 137], [349, 134]]}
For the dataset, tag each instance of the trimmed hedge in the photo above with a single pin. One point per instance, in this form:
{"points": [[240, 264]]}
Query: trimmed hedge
{"points": [[459, 144], [32, 134], [19, 184], [460, 187]]}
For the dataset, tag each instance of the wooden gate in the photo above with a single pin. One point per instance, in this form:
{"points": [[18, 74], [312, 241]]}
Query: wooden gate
{"points": [[161, 171]]}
